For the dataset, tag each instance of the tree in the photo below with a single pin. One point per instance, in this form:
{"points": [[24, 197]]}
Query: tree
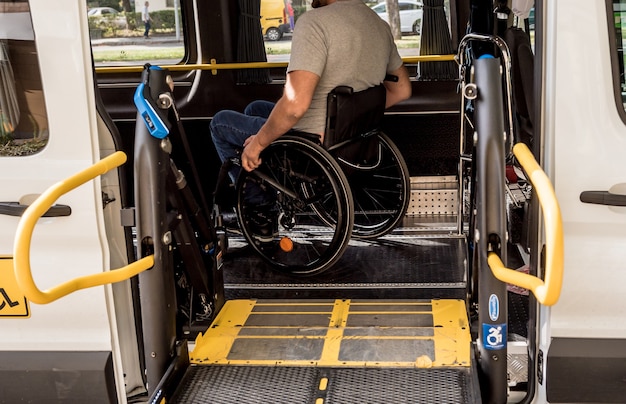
{"points": [[393, 12], [126, 6]]}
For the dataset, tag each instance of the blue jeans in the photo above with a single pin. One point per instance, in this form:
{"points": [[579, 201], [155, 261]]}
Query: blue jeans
{"points": [[147, 28], [229, 130]]}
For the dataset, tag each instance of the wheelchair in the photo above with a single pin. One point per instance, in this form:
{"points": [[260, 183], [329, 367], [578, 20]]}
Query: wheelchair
{"points": [[353, 184]]}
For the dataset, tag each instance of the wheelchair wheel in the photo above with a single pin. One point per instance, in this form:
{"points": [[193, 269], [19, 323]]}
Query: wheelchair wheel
{"points": [[301, 179], [381, 192]]}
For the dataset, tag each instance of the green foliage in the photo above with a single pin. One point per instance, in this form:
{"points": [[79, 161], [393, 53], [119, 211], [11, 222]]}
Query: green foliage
{"points": [[161, 20], [25, 148], [298, 11], [6, 131], [115, 55], [108, 26], [105, 3]]}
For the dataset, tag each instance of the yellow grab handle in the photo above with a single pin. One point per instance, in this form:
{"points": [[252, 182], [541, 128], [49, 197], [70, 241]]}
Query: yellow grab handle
{"points": [[21, 247], [547, 292]]}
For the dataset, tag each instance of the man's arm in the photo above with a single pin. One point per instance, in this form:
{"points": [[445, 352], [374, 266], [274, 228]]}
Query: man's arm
{"points": [[295, 101], [398, 90]]}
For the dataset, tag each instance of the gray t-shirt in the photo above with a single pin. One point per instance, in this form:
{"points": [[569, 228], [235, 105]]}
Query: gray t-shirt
{"points": [[345, 43]]}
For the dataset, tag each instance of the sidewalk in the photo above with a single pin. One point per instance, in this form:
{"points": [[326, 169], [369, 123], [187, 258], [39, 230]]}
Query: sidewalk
{"points": [[137, 40]]}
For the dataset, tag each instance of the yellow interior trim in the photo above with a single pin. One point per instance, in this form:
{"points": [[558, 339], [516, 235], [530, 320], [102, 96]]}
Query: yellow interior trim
{"points": [[548, 291], [26, 225]]}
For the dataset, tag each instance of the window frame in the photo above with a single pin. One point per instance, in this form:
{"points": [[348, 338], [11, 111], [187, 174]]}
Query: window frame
{"points": [[616, 69]]}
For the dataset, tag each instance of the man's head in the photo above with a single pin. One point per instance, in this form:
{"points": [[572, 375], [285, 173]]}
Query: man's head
{"points": [[321, 3]]}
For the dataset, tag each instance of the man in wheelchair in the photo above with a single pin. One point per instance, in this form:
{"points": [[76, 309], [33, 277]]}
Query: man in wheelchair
{"points": [[339, 43]]}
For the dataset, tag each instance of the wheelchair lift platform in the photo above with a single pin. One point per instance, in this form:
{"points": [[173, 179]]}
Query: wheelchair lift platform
{"points": [[387, 323], [334, 351], [423, 258], [419, 260]]}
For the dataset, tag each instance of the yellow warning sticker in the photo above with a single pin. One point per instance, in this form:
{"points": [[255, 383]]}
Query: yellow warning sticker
{"points": [[13, 303]]}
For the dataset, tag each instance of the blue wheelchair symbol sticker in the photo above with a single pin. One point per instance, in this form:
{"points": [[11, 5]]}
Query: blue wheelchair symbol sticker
{"points": [[494, 336]]}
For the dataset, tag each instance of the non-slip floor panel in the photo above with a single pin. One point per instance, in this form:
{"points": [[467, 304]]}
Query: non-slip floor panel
{"points": [[393, 266], [302, 385], [244, 384], [435, 386], [337, 333]]}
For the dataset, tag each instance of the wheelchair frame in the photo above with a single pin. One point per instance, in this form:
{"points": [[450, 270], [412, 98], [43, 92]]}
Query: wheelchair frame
{"points": [[374, 192]]}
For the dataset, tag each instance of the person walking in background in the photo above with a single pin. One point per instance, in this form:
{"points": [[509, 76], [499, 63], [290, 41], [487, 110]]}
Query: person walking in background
{"points": [[290, 14], [145, 17]]}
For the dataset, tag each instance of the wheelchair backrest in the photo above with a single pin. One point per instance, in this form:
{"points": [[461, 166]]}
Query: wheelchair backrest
{"points": [[350, 114]]}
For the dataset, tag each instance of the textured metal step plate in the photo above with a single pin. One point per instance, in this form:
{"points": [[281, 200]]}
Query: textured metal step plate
{"points": [[295, 385], [433, 196]]}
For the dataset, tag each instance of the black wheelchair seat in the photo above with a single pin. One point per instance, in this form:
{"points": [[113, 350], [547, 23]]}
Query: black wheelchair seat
{"points": [[352, 118]]}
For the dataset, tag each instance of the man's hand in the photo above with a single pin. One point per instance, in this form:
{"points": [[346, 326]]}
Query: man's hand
{"points": [[295, 101], [252, 149]]}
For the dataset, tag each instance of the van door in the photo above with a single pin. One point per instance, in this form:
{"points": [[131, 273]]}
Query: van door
{"points": [[586, 139], [52, 135], [589, 156]]}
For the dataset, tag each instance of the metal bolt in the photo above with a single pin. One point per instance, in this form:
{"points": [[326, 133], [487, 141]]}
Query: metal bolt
{"points": [[165, 100], [166, 145], [470, 91], [167, 238]]}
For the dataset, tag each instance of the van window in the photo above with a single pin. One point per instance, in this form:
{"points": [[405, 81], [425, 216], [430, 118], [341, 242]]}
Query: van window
{"points": [[409, 6], [119, 36], [618, 28], [23, 117], [278, 46]]}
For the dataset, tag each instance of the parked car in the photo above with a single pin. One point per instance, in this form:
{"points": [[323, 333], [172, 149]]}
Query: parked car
{"points": [[273, 19], [410, 15], [108, 14]]}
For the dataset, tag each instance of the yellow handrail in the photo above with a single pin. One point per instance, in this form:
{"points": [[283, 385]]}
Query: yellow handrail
{"points": [[214, 66], [548, 291], [21, 247]]}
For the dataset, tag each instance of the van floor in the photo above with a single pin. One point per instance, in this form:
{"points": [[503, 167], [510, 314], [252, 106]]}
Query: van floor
{"points": [[415, 261], [421, 259]]}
